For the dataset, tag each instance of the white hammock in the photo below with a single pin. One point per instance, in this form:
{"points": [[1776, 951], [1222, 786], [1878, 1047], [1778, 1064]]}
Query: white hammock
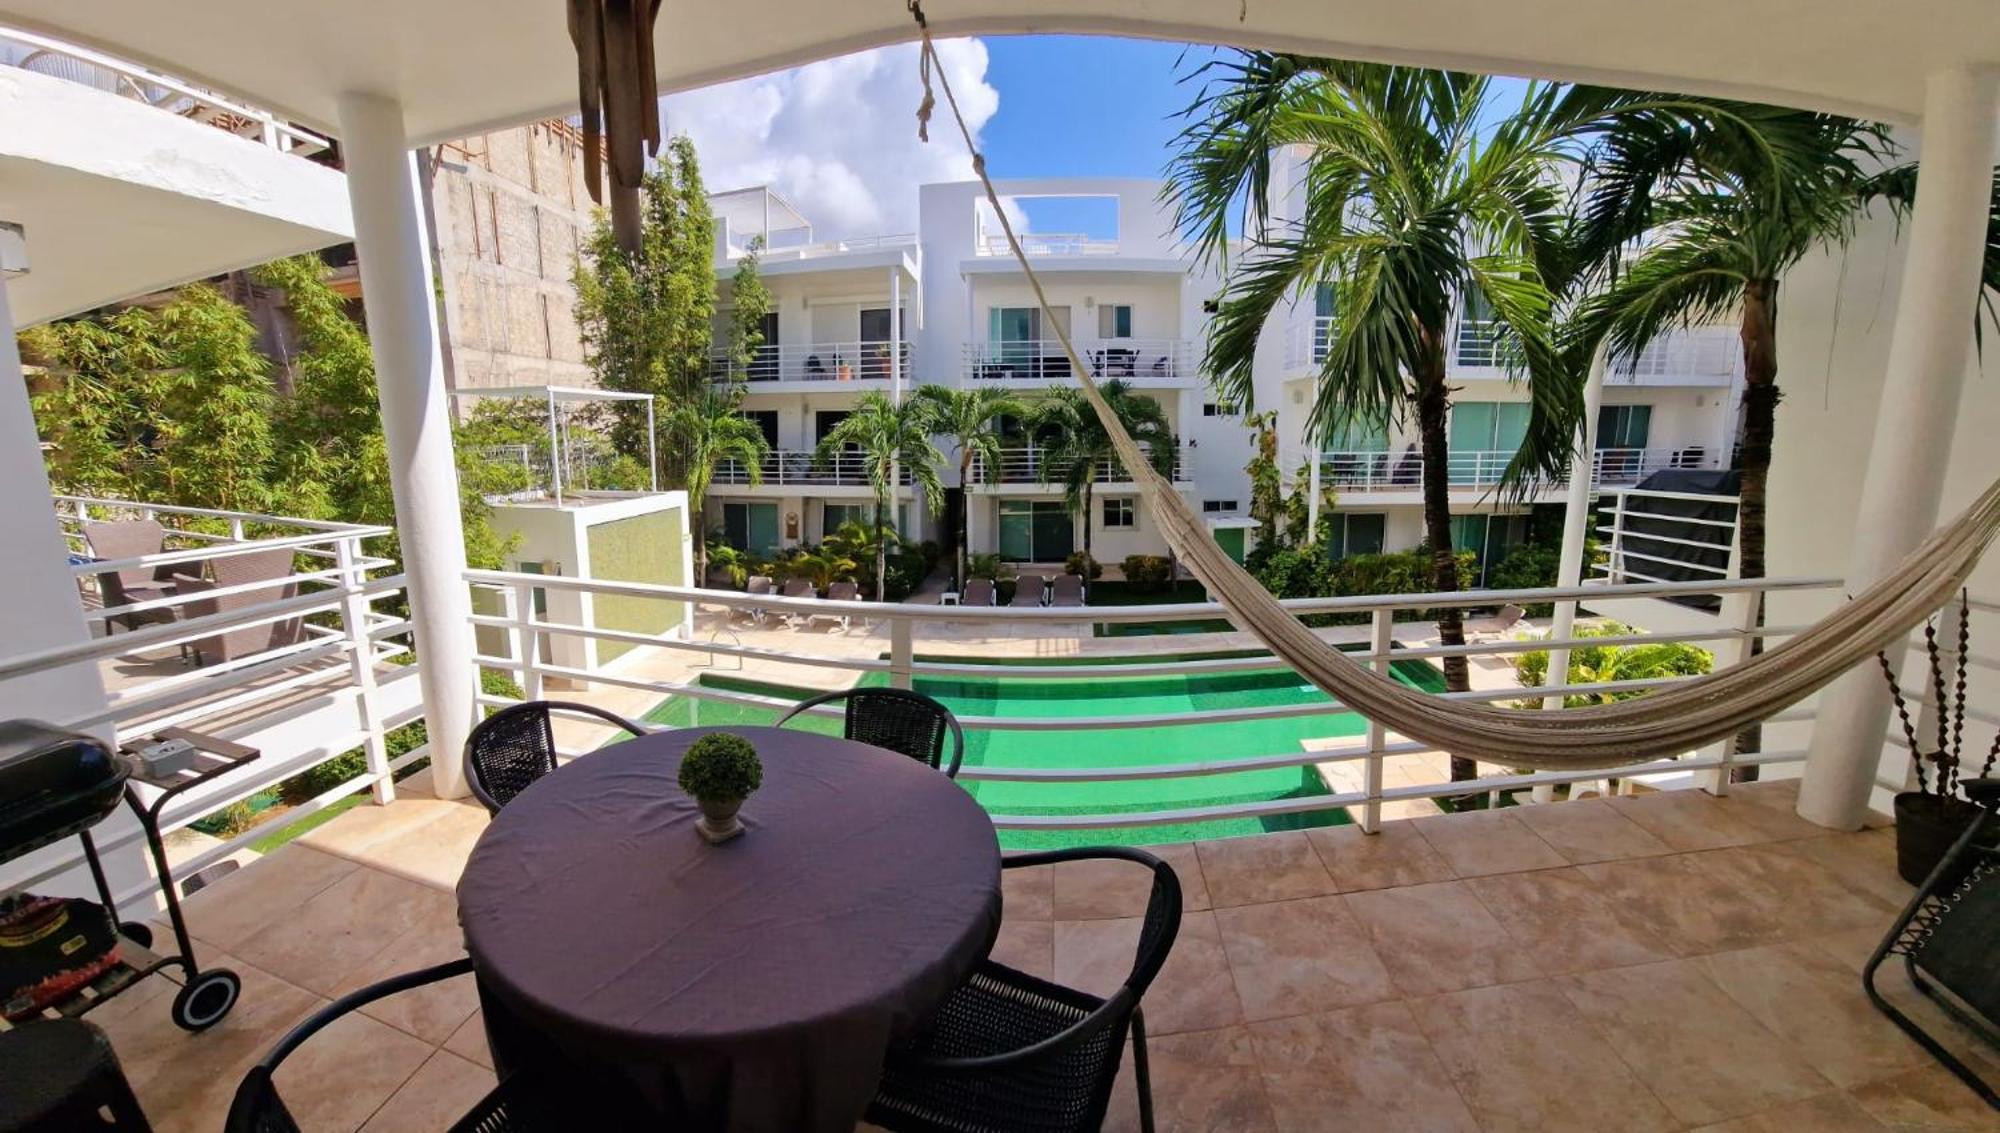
{"points": [[1682, 717]]}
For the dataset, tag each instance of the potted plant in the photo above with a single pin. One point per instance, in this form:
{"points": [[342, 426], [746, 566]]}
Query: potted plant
{"points": [[719, 771], [1931, 818]]}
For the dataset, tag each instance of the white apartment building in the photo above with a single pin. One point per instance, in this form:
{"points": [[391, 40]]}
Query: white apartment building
{"points": [[948, 305]]}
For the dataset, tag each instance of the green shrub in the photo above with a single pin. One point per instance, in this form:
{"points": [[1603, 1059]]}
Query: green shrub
{"points": [[986, 566], [721, 766], [1148, 572], [1592, 664], [1527, 567], [1081, 562]]}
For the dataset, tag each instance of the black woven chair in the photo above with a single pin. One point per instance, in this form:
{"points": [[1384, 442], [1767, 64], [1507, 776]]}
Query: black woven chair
{"points": [[1946, 937], [517, 745], [897, 719], [1009, 1053], [523, 1101]]}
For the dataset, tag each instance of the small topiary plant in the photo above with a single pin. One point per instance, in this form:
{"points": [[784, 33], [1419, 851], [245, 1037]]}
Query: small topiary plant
{"points": [[721, 767]]}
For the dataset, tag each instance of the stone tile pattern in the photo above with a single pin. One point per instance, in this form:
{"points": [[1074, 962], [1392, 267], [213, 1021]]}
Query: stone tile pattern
{"points": [[1682, 964]]}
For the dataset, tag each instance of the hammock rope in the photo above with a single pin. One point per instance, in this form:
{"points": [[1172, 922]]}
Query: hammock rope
{"points": [[1682, 717]]}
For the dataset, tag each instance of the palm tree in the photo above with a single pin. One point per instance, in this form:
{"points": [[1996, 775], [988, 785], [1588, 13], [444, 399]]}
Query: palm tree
{"points": [[887, 435], [967, 417], [822, 567], [1417, 188], [711, 429], [1082, 446]]}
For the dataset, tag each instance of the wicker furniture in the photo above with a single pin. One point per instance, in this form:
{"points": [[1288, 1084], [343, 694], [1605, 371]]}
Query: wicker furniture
{"points": [[130, 539], [517, 745], [522, 1101], [1010, 1051], [61, 1074], [257, 577], [1946, 938], [897, 719]]}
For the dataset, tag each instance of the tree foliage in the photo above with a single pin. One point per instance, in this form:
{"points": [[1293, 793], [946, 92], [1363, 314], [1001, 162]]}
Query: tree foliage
{"points": [[1082, 446], [968, 417], [647, 320], [887, 436], [1594, 664]]}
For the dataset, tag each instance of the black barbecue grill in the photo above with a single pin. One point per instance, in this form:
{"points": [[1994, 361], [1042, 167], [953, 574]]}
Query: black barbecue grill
{"points": [[57, 784], [53, 784]]}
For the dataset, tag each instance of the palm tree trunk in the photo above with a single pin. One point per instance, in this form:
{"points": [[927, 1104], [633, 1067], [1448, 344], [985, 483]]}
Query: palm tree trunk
{"points": [[700, 545], [1433, 410], [1753, 464], [964, 511], [1087, 493], [881, 546]]}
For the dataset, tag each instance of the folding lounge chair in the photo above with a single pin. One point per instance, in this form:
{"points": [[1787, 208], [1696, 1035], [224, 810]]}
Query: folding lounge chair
{"points": [[839, 592], [759, 586], [797, 588], [1067, 590], [978, 592], [1029, 591], [1499, 625]]}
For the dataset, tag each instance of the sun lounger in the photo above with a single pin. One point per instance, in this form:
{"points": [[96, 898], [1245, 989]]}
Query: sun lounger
{"points": [[1499, 625], [759, 586], [1067, 590], [1028, 591], [839, 592], [978, 592]]}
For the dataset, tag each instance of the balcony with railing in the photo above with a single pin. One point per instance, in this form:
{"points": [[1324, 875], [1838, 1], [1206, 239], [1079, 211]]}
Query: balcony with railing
{"points": [[70, 62], [1027, 465], [1383, 471], [1138, 361], [796, 469], [858, 365], [1047, 244]]}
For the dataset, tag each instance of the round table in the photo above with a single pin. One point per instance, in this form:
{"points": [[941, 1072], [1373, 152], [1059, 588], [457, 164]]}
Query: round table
{"points": [[750, 985]]}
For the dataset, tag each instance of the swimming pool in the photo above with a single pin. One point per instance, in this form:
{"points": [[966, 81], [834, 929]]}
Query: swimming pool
{"points": [[1170, 696]]}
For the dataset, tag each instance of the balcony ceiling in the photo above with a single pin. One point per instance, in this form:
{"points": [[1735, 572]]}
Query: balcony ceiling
{"points": [[463, 65]]}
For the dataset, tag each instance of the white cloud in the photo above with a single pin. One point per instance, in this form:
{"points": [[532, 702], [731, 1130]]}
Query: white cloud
{"points": [[838, 138]]}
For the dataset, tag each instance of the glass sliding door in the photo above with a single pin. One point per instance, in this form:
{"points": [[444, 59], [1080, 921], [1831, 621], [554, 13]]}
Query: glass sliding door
{"points": [[1484, 437], [1035, 531]]}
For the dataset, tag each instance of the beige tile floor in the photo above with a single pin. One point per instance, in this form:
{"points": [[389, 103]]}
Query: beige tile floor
{"points": [[1657, 963]]}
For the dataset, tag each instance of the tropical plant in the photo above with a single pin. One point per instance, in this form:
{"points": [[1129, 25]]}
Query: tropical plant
{"points": [[733, 563], [1597, 664], [711, 425], [987, 566], [1080, 446], [1082, 564], [1419, 188], [822, 566], [967, 416], [749, 302], [1267, 483], [886, 436], [646, 319], [1148, 573]]}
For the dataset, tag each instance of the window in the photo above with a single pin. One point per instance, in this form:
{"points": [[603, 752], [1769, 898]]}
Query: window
{"points": [[1120, 512], [1356, 533], [1218, 505], [1623, 426], [1218, 409], [875, 324], [1035, 531], [1484, 437], [751, 527], [825, 421], [766, 421], [1478, 333], [1114, 320], [764, 360]]}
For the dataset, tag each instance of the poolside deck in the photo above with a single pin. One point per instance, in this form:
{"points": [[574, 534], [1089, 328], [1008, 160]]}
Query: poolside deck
{"points": [[1665, 962]]}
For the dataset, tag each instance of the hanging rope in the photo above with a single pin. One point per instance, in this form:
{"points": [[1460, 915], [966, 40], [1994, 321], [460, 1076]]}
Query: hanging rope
{"points": [[1663, 723]]}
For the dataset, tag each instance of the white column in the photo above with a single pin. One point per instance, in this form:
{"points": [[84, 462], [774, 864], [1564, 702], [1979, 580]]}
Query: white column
{"points": [[1928, 353], [896, 334], [1576, 528], [43, 609], [394, 253], [1313, 493]]}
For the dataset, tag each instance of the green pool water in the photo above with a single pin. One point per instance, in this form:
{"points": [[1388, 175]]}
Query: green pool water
{"points": [[1176, 740]]}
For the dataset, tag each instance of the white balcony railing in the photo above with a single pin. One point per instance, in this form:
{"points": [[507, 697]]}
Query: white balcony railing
{"points": [[1042, 360], [530, 635], [1028, 464], [346, 666], [1650, 536], [820, 249], [1376, 471], [38, 53], [1047, 244], [814, 362], [1701, 356], [789, 468], [1306, 342]]}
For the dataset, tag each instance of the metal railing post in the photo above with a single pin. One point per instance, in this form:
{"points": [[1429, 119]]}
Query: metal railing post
{"points": [[1381, 638], [236, 530], [525, 639], [354, 609], [901, 651]]}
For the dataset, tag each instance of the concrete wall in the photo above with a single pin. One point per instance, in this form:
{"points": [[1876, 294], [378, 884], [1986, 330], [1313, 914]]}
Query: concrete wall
{"points": [[511, 211]]}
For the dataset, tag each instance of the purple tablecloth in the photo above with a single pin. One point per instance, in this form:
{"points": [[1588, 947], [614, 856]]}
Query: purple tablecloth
{"points": [[749, 986]]}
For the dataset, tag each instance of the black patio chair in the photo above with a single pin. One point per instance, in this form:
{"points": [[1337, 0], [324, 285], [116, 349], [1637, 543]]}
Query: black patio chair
{"points": [[1010, 1051], [517, 745], [897, 719], [1946, 937], [524, 1101]]}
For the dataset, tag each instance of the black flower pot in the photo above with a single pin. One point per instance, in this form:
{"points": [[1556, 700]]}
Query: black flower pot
{"points": [[1927, 826]]}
